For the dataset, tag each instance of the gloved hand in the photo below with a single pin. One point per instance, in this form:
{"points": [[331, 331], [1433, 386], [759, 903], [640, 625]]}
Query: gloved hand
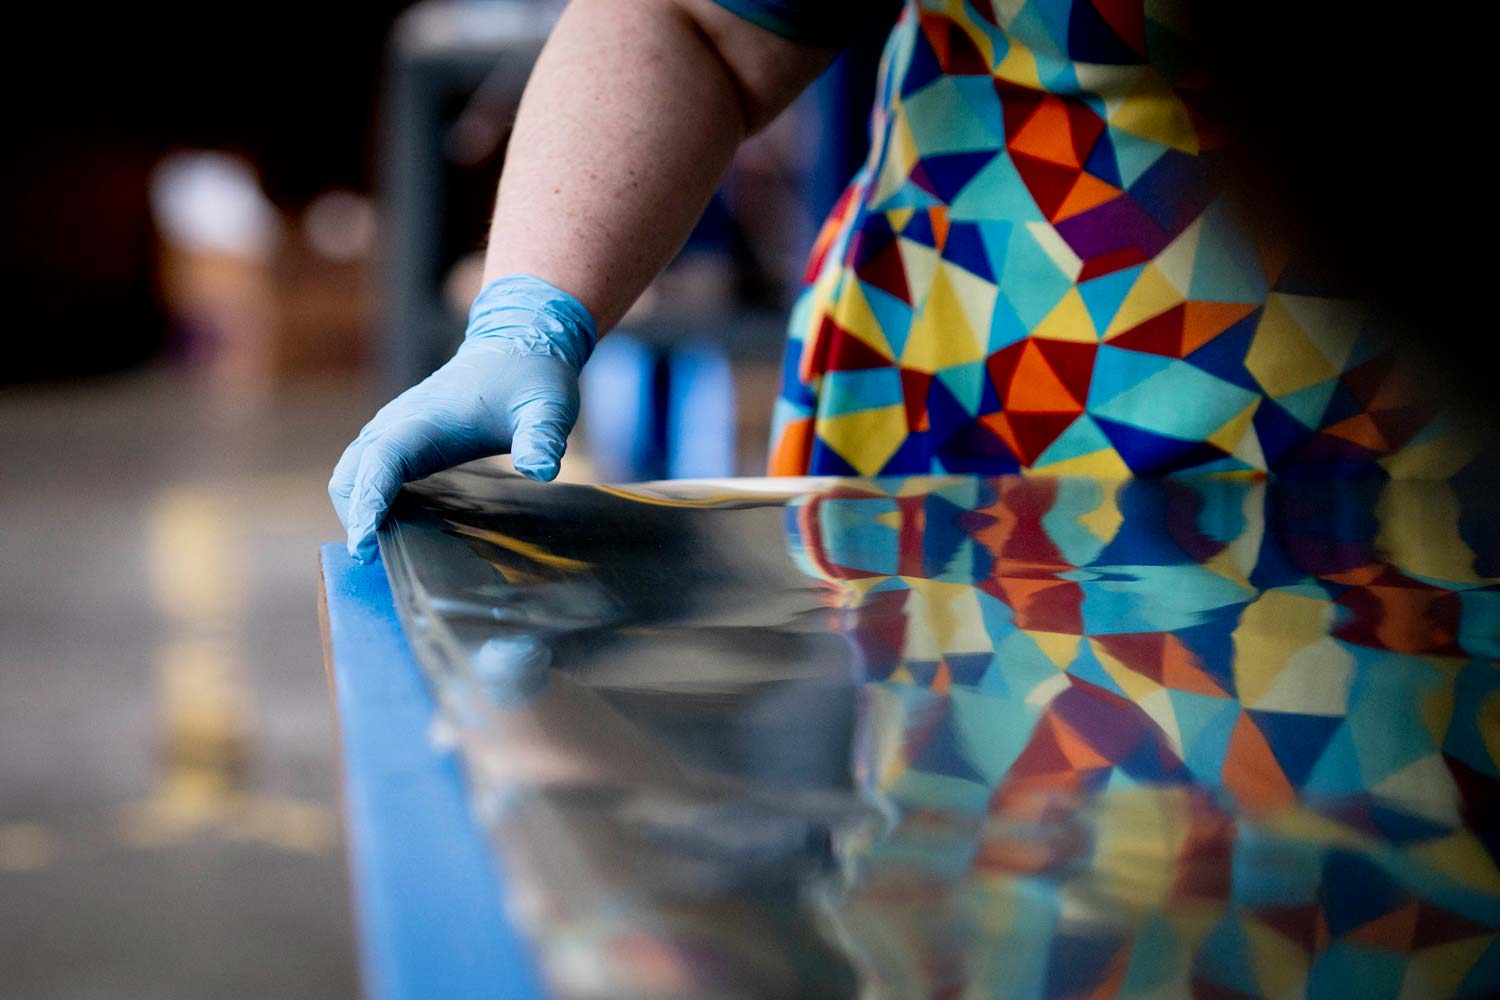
{"points": [[511, 386]]}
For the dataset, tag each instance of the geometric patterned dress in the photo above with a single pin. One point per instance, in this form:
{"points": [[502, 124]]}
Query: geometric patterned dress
{"points": [[1038, 270]]}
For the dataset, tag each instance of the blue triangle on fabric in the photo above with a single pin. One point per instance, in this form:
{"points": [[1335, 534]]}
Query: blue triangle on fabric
{"points": [[969, 668], [1101, 160], [948, 173], [1006, 327], [913, 458], [1092, 40], [1296, 740], [1278, 431], [792, 387], [1168, 187], [1356, 891], [827, 462], [923, 68], [945, 414], [1117, 370], [1149, 454], [1104, 295], [965, 247], [944, 755], [919, 230], [1224, 356], [966, 382], [893, 315]]}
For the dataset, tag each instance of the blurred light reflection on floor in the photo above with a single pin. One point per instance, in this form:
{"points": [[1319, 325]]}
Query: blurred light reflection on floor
{"points": [[168, 800]]}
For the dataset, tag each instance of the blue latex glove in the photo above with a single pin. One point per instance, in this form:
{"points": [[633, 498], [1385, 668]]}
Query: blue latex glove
{"points": [[511, 386]]}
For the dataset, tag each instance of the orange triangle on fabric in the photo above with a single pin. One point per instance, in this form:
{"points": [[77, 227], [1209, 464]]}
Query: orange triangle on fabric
{"points": [[942, 679], [1274, 255], [1036, 388], [1047, 134], [1361, 430], [1252, 772], [793, 453], [1393, 932], [1089, 192], [1203, 321], [1180, 671], [938, 214]]}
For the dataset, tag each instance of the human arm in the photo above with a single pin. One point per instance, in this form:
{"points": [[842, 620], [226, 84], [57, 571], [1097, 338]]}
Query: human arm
{"points": [[629, 121]]}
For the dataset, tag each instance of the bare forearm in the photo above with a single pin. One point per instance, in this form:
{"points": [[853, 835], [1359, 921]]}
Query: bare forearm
{"points": [[630, 119]]}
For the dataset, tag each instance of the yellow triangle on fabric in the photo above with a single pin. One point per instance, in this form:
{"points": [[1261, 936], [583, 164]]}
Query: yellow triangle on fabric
{"points": [[1228, 436], [854, 314], [1105, 463], [866, 439], [1053, 245], [941, 336], [1068, 320], [1438, 970], [1153, 111], [1176, 261], [1158, 705], [1438, 458], [1419, 531], [977, 299], [1018, 66], [900, 157], [921, 264], [899, 217], [1059, 647], [1280, 964], [1281, 357], [1151, 295], [1331, 325], [1462, 858]]}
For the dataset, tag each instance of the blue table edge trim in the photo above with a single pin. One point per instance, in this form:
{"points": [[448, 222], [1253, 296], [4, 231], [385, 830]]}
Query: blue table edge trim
{"points": [[427, 890]]}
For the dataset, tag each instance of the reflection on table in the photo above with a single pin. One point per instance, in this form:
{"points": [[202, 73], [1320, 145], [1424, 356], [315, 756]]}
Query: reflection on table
{"points": [[977, 738]]}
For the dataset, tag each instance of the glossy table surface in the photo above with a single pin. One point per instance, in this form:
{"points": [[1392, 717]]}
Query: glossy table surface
{"points": [[974, 738]]}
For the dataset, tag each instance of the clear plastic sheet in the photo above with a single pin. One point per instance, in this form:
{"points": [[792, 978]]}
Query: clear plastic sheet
{"points": [[975, 738]]}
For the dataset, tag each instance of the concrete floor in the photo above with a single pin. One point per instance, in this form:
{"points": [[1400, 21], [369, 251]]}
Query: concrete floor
{"points": [[168, 793]]}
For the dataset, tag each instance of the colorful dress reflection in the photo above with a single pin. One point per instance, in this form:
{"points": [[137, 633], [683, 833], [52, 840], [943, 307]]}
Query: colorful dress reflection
{"points": [[1166, 739]]}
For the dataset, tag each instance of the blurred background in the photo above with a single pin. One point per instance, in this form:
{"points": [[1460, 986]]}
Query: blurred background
{"points": [[229, 233], [227, 236]]}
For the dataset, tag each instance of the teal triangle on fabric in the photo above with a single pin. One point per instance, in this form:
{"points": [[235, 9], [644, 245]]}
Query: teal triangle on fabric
{"points": [[859, 389], [1308, 405], [978, 93], [1006, 327], [966, 383], [991, 731], [1044, 25], [1117, 371], [942, 120], [1133, 155], [996, 192], [1104, 295], [1033, 283], [1336, 771], [1180, 401], [1082, 437], [893, 315], [1226, 267]]}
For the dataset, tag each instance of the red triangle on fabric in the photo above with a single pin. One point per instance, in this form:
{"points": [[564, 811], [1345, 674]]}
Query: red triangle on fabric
{"points": [[1072, 361], [1049, 183], [914, 386], [963, 55], [886, 272], [1127, 18], [1161, 334], [1109, 263]]}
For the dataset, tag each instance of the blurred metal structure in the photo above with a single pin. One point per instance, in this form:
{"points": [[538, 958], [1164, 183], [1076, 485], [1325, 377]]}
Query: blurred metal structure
{"points": [[442, 53]]}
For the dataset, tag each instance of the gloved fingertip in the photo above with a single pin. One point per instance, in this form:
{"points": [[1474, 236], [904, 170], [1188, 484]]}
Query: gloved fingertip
{"points": [[364, 549], [539, 468]]}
